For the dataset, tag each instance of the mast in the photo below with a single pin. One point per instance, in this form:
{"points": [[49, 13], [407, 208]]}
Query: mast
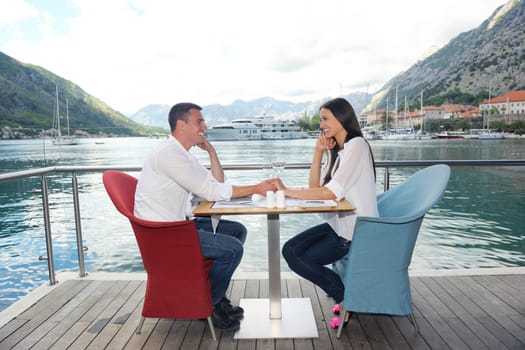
{"points": [[490, 106], [405, 116], [67, 117], [395, 112], [386, 115], [59, 133], [421, 113]]}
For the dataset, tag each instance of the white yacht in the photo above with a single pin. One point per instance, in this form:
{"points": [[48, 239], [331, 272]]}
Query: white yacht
{"points": [[490, 134], [260, 127]]}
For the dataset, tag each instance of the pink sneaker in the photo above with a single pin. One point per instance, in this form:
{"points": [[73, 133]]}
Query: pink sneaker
{"points": [[334, 323], [336, 309]]}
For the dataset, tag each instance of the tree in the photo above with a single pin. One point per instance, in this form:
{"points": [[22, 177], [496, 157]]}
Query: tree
{"points": [[315, 122]]}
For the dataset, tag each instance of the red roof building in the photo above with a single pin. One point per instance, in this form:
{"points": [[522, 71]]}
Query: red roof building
{"points": [[510, 103]]}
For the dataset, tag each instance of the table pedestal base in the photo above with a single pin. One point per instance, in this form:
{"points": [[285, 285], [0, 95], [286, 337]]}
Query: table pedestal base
{"points": [[297, 320]]}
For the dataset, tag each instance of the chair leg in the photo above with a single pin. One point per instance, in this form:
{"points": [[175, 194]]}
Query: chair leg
{"points": [[212, 328], [342, 323], [412, 319], [139, 327]]}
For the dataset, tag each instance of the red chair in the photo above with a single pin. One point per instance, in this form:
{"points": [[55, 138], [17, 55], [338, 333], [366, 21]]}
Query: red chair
{"points": [[178, 284]]}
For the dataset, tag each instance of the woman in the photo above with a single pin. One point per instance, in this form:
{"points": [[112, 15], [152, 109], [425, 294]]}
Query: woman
{"points": [[348, 173]]}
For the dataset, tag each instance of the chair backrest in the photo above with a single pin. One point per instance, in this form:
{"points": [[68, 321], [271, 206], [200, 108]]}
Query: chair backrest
{"points": [[121, 190], [178, 283], [375, 271], [415, 195]]}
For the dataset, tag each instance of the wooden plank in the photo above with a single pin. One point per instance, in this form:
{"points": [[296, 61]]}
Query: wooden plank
{"points": [[489, 303], [194, 335], [326, 304], [439, 300], [483, 297], [11, 327], [67, 338], [43, 310], [412, 337], [176, 335], [34, 336], [515, 281], [68, 315], [452, 312], [452, 297], [393, 335], [430, 335], [237, 291], [137, 341], [100, 314], [356, 334], [121, 308], [435, 320], [128, 329], [373, 332], [309, 290], [508, 294]]}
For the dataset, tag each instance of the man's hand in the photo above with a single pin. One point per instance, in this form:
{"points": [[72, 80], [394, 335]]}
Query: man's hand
{"points": [[278, 184], [205, 144], [265, 186]]}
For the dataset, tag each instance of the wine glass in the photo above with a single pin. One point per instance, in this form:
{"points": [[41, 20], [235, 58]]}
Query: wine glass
{"points": [[278, 168], [268, 170]]}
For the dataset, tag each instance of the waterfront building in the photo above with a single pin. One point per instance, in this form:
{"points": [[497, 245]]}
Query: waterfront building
{"points": [[512, 102], [433, 112]]}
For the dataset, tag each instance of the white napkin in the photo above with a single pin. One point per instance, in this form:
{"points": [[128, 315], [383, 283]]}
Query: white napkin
{"points": [[215, 222], [258, 197]]}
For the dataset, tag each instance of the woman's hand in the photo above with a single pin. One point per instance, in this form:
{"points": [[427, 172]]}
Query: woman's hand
{"points": [[278, 184], [324, 143]]}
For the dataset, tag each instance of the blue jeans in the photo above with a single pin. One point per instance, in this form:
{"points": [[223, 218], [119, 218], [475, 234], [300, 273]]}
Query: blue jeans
{"points": [[309, 251], [225, 247]]}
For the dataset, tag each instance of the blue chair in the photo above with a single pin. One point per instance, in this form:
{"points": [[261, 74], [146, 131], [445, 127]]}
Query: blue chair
{"points": [[375, 270]]}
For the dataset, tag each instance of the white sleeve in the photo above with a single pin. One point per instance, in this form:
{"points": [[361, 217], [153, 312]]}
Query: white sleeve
{"points": [[188, 172], [352, 160]]}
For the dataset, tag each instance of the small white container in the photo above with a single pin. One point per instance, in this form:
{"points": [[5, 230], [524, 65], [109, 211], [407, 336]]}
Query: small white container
{"points": [[281, 203], [270, 200]]}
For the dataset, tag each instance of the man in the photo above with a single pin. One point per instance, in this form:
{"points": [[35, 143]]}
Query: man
{"points": [[171, 176]]}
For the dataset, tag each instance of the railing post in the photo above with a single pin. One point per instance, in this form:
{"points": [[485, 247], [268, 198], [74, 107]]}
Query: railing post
{"points": [[47, 227], [78, 226], [386, 180]]}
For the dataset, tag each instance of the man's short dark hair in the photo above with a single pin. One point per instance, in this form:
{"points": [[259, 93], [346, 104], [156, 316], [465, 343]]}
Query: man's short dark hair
{"points": [[180, 111]]}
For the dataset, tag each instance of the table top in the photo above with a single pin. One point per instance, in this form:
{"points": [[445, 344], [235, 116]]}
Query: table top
{"points": [[206, 209]]}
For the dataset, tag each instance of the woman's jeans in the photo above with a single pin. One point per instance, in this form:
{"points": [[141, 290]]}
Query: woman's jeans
{"points": [[225, 247], [308, 252]]}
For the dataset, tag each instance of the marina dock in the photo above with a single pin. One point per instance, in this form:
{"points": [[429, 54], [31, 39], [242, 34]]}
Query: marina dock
{"points": [[455, 309]]}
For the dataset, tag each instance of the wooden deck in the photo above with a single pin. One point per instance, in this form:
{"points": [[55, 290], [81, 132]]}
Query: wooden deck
{"points": [[453, 312]]}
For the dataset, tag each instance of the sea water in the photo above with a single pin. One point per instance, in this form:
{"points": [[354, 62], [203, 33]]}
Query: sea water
{"points": [[479, 222]]}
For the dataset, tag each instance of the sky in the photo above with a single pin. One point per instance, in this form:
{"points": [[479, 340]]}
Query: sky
{"points": [[133, 53]]}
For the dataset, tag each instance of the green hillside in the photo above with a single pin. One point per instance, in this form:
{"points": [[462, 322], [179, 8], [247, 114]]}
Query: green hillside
{"points": [[27, 97]]}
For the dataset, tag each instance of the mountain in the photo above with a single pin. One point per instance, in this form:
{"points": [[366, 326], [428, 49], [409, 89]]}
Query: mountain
{"points": [[157, 115], [492, 54], [27, 97]]}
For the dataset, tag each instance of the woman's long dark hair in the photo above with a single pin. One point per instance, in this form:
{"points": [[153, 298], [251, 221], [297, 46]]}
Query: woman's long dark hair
{"points": [[344, 113]]}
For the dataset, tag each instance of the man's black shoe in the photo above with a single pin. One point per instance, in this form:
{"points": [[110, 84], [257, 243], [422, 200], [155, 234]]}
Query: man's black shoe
{"points": [[226, 307], [224, 321]]}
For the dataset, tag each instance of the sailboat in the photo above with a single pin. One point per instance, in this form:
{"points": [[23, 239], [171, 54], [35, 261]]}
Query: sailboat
{"points": [[487, 133], [59, 139]]}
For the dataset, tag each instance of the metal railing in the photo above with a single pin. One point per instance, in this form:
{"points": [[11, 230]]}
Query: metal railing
{"points": [[74, 170]]}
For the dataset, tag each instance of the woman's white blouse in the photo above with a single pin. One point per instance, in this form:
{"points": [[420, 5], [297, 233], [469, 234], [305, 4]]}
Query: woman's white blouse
{"points": [[353, 179]]}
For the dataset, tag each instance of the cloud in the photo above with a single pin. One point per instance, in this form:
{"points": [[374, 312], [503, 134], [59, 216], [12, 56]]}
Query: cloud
{"points": [[134, 53]]}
